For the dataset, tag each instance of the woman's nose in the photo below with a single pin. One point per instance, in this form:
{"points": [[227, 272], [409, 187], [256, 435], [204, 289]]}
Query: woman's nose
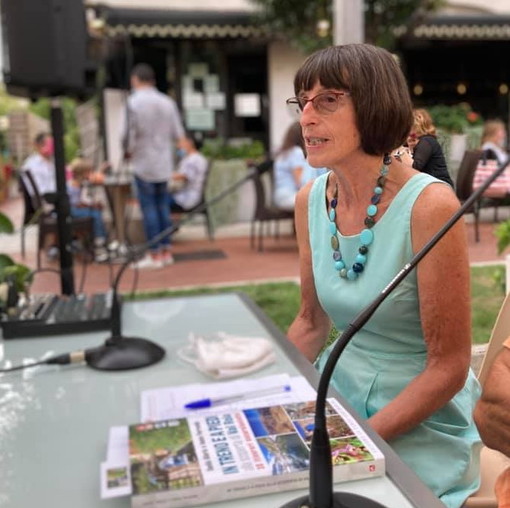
{"points": [[308, 115]]}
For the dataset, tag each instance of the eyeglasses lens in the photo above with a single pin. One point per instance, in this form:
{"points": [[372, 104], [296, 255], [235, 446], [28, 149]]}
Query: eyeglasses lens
{"points": [[322, 103]]}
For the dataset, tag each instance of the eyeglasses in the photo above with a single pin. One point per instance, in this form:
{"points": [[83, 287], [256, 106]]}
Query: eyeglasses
{"points": [[323, 103]]}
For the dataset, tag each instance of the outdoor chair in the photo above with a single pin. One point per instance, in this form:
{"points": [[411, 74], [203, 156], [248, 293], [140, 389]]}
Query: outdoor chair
{"points": [[47, 220], [492, 462], [464, 189], [265, 212], [29, 213], [202, 207]]}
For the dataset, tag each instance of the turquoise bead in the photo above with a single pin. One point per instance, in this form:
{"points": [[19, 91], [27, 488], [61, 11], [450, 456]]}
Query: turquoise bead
{"points": [[332, 215], [351, 274], [339, 265], [332, 228], [360, 258], [371, 210], [378, 190], [366, 237]]}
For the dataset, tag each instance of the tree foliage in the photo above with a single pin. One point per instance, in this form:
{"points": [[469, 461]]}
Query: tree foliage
{"points": [[297, 20]]}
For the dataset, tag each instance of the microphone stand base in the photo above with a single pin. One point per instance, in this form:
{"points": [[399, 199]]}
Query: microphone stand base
{"points": [[124, 353], [340, 500]]}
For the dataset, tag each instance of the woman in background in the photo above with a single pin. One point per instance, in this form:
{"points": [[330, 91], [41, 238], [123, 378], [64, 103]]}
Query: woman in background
{"points": [[494, 141], [428, 156], [291, 170]]}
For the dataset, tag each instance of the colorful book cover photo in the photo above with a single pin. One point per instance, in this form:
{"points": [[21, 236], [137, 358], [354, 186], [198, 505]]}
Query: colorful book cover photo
{"points": [[234, 445]]}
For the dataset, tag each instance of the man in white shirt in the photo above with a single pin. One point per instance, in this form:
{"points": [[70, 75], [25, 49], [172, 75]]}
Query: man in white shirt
{"points": [[41, 164], [153, 126], [42, 168]]}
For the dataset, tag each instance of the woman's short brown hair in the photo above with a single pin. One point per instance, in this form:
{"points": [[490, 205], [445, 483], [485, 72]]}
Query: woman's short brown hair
{"points": [[377, 86]]}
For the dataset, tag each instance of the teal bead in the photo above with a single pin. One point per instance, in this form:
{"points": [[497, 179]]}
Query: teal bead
{"points": [[351, 274], [339, 265], [332, 228], [371, 210], [332, 215], [366, 237], [360, 258], [378, 190]]}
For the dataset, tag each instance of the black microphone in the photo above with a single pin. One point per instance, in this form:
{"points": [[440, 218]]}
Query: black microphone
{"points": [[321, 493], [123, 353]]}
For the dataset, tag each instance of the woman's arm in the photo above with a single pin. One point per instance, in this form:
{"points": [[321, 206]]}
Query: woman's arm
{"points": [[492, 412], [310, 329], [444, 296]]}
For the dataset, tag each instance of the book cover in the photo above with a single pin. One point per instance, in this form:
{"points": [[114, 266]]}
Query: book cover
{"points": [[233, 454]]}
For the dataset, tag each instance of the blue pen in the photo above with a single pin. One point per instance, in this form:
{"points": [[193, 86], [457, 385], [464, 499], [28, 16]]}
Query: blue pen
{"points": [[210, 402]]}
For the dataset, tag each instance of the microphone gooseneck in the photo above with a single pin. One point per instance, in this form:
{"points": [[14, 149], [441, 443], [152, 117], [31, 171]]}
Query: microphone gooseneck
{"points": [[124, 353], [321, 493]]}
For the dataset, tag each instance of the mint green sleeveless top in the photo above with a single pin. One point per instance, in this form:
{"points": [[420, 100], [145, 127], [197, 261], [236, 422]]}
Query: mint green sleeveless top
{"points": [[384, 356]]}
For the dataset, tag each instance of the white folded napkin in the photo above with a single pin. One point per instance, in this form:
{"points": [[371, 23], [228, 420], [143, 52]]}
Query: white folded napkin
{"points": [[225, 356]]}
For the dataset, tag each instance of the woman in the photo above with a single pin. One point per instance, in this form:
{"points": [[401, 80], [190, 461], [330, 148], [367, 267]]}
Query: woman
{"points": [[494, 140], [407, 371], [291, 170], [428, 155]]}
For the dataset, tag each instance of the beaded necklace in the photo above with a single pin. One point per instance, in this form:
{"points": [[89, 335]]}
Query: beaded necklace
{"points": [[366, 236]]}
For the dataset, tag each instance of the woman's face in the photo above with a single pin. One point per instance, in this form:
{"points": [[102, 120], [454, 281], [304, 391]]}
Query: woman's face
{"points": [[500, 137], [412, 140], [329, 136]]}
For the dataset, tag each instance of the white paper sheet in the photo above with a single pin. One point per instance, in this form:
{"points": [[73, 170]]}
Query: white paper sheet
{"points": [[169, 402]]}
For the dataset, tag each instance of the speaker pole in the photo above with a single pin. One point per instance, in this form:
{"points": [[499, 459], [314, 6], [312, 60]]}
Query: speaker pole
{"points": [[62, 205]]}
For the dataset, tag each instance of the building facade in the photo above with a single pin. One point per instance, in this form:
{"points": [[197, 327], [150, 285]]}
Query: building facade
{"points": [[231, 78]]}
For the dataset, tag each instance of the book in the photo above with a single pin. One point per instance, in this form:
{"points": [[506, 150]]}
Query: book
{"points": [[206, 458]]}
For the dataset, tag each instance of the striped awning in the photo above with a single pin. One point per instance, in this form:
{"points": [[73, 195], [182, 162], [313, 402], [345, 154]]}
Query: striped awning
{"points": [[151, 23], [488, 27]]}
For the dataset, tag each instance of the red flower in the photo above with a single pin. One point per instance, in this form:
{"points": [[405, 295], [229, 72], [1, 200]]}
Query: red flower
{"points": [[472, 117]]}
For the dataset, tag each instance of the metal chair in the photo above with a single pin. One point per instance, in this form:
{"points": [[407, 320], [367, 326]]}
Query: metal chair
{"points": [[47, 220], [264, 211]]}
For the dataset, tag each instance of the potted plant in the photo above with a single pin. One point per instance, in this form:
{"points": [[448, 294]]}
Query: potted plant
{"points": [[12, 274], [459, 129]]}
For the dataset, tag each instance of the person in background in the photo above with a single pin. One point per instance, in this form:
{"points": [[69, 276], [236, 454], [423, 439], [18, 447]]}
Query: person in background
{"points": [[407, 370], [428, 156], [494, 141], [42, 167], [41, 164], [492, 416], [152, 127], [291, 170], [187, 182], [84, 203]]}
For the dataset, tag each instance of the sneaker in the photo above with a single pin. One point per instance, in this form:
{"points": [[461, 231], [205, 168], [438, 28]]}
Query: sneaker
{"points": [[168, 259], [147, 263], [101, 255]]}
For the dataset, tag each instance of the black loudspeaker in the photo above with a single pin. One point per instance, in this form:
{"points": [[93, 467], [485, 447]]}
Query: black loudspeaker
{"points": [[45, 47]]}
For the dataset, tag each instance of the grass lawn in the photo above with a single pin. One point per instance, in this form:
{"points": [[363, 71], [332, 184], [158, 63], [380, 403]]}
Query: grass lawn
{"points": [[280, 300]]}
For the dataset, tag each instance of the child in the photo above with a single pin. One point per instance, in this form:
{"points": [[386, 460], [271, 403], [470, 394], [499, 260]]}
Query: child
{"points": [[84, 204]]}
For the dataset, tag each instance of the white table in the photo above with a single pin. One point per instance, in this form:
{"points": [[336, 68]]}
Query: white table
{"points": [[54, 424]]}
